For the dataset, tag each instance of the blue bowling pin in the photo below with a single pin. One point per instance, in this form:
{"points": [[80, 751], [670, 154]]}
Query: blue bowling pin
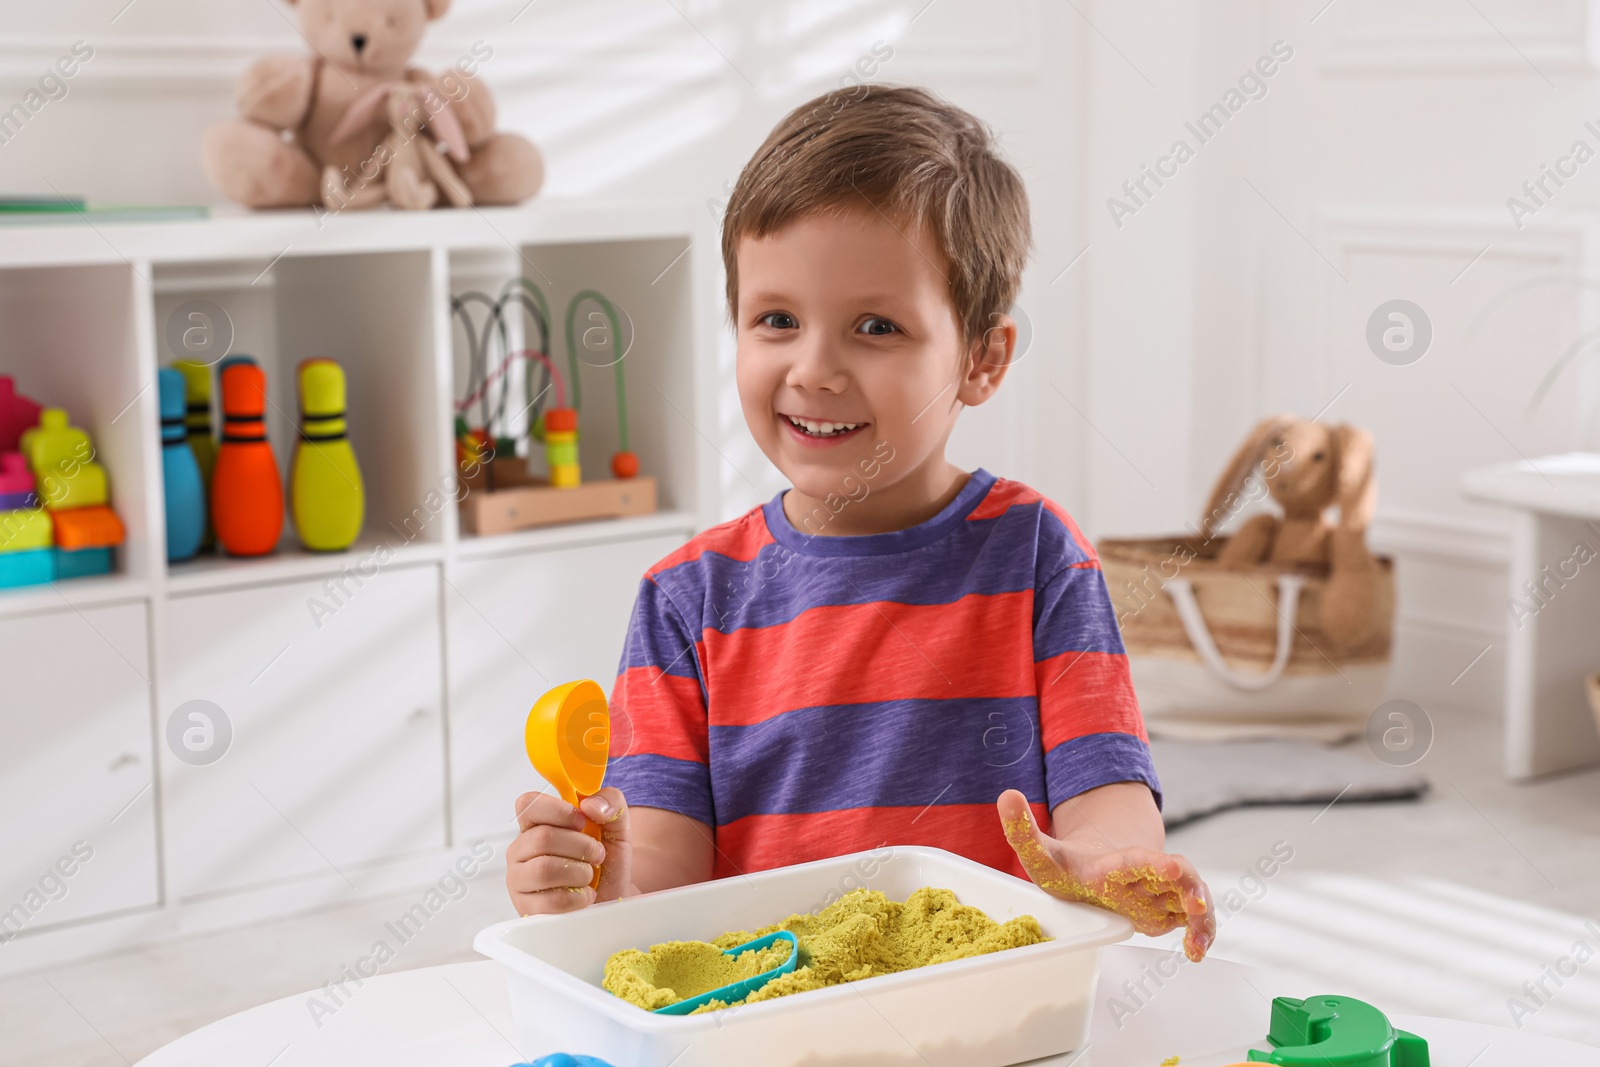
{"points": [[186, 494]]}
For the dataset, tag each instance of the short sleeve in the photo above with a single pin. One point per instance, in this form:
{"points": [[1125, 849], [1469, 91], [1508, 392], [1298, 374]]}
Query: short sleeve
{"points": [[659, 754], [1089, 718]]}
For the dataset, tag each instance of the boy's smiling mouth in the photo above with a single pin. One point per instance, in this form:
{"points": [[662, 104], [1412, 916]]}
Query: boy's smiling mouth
{"points": [[816, 431]]}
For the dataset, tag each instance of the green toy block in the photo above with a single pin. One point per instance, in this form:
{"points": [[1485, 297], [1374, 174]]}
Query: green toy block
{"points": [[1337, 1032]]}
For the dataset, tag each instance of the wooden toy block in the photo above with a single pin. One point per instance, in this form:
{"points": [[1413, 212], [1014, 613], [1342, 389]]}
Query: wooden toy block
{"points": [[79, 528], [17, 413], [82, 563], [326, 494], [33, 567], [21, 531], [520, 501]]}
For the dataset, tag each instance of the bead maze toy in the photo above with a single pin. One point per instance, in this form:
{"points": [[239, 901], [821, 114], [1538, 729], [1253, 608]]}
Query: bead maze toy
{"points": [[325, 488], [503, 494], [246, 493], [183, 485]]}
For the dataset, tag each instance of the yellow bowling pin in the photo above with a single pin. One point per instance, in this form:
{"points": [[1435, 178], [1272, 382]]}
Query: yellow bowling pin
{"points": [[326, 496]]}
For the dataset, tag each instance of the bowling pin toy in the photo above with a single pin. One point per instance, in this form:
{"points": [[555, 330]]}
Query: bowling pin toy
{"points": [[325, 491], [197, 421], [180, 470], [246, 494]]}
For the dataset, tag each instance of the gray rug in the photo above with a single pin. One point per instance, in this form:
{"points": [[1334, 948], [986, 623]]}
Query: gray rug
{"points": [[1200, 778]]}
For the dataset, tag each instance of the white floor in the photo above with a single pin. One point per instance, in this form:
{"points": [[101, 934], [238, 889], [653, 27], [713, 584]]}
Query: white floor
{"points": [[1446, 906]]}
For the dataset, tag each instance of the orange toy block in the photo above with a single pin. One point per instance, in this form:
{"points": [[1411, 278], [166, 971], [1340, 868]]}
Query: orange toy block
{"points": [[96, 527]]}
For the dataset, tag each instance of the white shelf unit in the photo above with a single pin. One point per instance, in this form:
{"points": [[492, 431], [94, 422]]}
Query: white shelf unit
{"points": [[375, 737]]}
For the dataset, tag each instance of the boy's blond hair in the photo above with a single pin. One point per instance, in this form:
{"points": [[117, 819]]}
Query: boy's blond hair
{"points": [[908, 156]]}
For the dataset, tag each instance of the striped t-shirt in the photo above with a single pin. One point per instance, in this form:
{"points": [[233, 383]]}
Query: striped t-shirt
{"points": [[812, 696]]}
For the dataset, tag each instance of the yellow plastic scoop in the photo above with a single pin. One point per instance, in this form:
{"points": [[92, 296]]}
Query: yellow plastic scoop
{"points": [[569, 740]]}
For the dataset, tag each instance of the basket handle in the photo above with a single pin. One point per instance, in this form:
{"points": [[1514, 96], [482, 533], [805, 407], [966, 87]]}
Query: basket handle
{"points": [[1194, 624]]}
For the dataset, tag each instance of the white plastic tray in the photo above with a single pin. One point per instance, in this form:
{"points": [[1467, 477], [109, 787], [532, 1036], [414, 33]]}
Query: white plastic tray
{"points": [[987, 1011]]}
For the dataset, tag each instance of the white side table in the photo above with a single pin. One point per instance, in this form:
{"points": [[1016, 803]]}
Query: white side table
{"points": [[1554, 637], [458, 1016]]}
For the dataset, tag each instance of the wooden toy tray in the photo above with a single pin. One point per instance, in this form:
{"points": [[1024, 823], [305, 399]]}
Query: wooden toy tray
{"points": [[503, 496]]}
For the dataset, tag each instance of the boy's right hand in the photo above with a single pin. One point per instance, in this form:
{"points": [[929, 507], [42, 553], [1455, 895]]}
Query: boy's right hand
{"points": [[551, 861]]}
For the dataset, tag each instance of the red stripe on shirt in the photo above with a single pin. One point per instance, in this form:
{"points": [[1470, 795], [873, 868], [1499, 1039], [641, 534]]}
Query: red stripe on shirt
{"points": [[653, 713], [1001, 496], [1006, 494], [1086, 693], [978, 646], [741, 540], [762, 842]]}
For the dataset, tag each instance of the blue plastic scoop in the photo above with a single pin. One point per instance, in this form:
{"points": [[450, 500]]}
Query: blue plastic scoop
{"points": [[735, 992]]}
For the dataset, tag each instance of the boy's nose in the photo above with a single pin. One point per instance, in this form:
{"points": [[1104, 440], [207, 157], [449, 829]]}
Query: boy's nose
{"points": [[358, 41], [816, 369]]}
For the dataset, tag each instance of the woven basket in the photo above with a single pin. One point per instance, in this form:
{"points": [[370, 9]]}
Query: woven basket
{"points": [[1221, 653]]}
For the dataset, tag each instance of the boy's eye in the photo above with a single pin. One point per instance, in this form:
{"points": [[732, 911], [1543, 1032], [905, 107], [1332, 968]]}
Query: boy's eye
{"points": [[877, 327], [778, 320]]}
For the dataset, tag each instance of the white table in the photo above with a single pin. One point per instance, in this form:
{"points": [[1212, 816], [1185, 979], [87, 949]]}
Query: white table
{"points": [[458, 1016], [1554, 647]]}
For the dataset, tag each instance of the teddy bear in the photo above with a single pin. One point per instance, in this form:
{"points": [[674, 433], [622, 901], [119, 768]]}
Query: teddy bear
{"points": [[352, 125]]}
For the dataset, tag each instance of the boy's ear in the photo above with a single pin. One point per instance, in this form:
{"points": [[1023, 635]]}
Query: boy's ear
{"points": [[990, 356], [436, 8]]}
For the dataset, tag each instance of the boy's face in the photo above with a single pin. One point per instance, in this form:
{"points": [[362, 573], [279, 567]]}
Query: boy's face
{"points": [[850, 350]]}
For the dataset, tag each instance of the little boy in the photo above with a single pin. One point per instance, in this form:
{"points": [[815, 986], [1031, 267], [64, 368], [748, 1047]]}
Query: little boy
{"points": [[893, 648]]}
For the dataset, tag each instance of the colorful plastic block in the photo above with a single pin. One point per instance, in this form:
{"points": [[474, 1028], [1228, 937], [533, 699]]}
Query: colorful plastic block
{"points": [[1344, 1031], [82, 485], [62, 458], [15, 477], [33, 567], [23, 530], [82, 563], [14, 501], [79, 528], [17, 413]]}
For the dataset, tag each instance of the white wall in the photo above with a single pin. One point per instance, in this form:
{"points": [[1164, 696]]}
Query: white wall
{"points": [[1376, 166]]}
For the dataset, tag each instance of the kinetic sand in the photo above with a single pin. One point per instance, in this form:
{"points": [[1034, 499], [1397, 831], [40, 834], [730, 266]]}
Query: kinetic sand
{"points": [[862, 934]]}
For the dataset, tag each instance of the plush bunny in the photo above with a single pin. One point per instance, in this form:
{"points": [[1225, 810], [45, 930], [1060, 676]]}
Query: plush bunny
{"points": [[1308, 467], [351, 125]]}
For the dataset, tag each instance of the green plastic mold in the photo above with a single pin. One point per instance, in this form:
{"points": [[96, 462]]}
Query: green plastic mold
{"points": [[1337, 1032]]}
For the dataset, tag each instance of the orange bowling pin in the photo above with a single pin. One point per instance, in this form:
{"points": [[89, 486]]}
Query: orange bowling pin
{"points": [[246, 493]]}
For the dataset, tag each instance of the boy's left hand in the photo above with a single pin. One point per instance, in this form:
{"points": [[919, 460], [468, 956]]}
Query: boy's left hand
{"points": [[1156, 891]]}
